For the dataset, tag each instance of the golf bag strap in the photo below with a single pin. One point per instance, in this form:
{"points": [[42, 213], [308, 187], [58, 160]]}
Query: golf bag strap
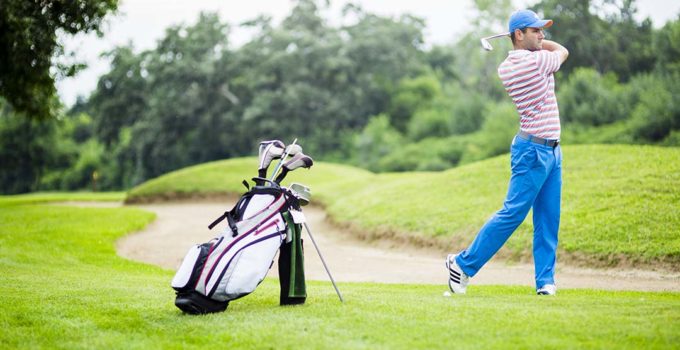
{"points": [[230, 220]]}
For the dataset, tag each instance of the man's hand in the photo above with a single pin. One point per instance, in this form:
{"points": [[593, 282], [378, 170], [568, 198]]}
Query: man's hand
{"points": [[553, 46]]}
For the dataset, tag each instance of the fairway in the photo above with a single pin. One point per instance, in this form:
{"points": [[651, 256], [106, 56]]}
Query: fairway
{"points": [[68, 289]]}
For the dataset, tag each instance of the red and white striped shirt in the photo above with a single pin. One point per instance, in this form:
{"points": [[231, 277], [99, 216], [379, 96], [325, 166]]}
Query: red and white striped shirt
{"points": [[528, 79]]}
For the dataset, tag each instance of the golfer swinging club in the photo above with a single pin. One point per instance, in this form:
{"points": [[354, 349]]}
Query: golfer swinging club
{"points": [[536, 158]]}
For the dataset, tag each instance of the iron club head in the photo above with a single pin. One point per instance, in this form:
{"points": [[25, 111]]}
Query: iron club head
{"points": [[486, 45]]}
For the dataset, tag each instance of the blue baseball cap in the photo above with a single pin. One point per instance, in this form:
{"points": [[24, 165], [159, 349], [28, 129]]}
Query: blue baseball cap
{"points": [[527, 19]]}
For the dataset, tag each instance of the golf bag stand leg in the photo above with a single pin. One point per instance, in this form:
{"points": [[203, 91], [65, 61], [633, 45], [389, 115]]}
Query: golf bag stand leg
{"points": [[324, 263]]}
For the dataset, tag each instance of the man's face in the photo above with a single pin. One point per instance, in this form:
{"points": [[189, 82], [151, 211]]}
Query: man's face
{"points": [[532, 39]]}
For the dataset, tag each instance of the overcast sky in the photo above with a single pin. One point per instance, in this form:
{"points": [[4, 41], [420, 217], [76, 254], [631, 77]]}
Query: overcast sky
{"points": [[143, 22]]}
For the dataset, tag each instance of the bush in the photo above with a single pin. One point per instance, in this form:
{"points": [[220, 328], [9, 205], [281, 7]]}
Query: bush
{"points": [[496, 134], [468, 113], [672, 140], [432, 154], [377, 139], [431, 122], [653, 114], [618, 132], [589, 98], [411, 96]]}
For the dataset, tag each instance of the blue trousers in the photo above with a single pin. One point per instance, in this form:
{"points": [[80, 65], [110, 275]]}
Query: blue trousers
{"points": [[536, 182]]}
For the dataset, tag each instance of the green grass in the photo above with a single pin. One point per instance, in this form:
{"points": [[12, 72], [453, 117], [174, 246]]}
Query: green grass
{"points": [[43, 197], [620, 203], [227, 176], [64, 288]]}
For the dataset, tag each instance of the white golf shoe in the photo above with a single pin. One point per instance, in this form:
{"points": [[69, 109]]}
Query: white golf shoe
{"points": [[548, 289], [458, 280]]}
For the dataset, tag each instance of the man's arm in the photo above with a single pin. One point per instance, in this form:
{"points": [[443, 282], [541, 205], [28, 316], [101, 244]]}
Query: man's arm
{"points": [[553, 46]]}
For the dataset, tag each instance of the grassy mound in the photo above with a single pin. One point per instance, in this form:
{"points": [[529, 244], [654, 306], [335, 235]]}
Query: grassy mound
{"points": [[619, 206], [64, 288]]}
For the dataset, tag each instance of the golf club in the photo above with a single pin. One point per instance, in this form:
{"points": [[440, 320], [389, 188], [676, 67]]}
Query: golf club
{"points": [[485, 41], [301, 192], [269, 150], [291, 148], [300, 160]]}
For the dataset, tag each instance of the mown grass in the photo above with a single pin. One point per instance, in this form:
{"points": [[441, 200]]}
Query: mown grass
{"points": [[620, 203], [64, 288], [43, 197], [227, 176]]}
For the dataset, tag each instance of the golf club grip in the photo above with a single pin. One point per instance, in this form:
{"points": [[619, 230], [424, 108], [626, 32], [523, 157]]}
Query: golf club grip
{"points": [[323, 262]]}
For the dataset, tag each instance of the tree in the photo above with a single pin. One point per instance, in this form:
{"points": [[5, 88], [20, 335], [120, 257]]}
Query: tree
{"points": [[667, 44], [29, 48], [26, 151], [602, 34], [120, 98], [410, 96]]}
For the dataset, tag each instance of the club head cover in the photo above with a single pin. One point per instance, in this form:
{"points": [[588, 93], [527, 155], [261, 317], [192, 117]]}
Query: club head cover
{"points": [[277, 143], [269, 150], [293, 149], [300, 160]]}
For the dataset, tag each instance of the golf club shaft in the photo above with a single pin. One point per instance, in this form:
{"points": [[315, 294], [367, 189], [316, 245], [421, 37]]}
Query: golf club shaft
{"points": [[323, 262], [496, 36], [278, 166]]}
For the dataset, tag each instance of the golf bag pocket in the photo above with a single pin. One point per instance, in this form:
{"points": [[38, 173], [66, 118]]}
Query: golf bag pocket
{"points": [[189, 271], [250, 266]]}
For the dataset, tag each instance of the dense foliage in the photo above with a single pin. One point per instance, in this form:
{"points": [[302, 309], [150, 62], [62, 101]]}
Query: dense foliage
{"points": [[368, 92], [31, 55]]}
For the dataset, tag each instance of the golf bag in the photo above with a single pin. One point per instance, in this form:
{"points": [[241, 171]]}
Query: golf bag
{"points": [[234, 263]]}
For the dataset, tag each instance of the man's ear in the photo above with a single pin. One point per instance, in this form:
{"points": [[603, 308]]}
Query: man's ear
{"points": [[519, 35]]}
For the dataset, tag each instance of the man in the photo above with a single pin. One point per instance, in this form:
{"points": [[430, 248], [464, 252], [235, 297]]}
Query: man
{"points": [[536, 158]]}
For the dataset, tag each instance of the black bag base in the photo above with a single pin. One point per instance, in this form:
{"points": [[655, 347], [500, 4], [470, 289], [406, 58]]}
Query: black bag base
{"points": [[292, 300], [196, 304]]}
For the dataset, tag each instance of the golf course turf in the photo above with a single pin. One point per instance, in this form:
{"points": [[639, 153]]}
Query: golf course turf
{"points": [[67, 289]]}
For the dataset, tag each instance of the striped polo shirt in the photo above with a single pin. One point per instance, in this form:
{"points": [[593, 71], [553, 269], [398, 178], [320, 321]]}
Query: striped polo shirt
{"points": [[528, 79]]}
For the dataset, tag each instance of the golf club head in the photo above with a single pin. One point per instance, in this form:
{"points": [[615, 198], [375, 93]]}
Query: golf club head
{"points": [[264, 144], [293, 149], [300, 160], [302, 192], [285, 155], [485, 41], [269, 152], [486, 45]]}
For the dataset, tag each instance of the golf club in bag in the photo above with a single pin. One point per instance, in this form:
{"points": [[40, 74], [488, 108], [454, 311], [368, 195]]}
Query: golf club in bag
{"points": [[269, 150], [300, 160], [235, 262]]}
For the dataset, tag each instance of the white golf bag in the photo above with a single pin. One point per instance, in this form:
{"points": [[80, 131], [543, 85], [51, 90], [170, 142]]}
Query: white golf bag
{"points": [[234, 263]]}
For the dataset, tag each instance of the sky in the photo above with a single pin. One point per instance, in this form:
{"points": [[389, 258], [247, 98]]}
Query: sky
{"points": [[143, 22]]}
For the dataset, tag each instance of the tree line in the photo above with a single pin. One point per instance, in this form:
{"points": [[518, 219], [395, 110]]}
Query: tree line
{"points": [[370, 92]]}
